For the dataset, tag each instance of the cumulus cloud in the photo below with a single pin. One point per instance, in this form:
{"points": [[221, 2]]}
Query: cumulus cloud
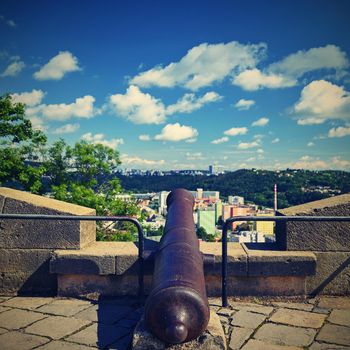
{"points": [[203, 65], [100, 139], [58, 67], [126, 159], [38, 123], [66, 129], [310, 144], [320, 101], [247, 145], [189, 102], [220, 140], [276, 140], [340, 131], [307, 162], [261, 122], [194, 156], [138, 107], [236, 131], [11, 23], [176, 132], [255, 79], [304, 61], [30, 99], [243, 104], [144, 137], [83, 107], [13, 69]]}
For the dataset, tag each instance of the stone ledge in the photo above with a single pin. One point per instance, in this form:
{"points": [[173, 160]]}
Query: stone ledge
{"points": [[108, 258]]}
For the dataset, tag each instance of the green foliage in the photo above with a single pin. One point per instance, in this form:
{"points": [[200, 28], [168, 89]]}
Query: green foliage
{"points": [[201, 232], [21, 147]]}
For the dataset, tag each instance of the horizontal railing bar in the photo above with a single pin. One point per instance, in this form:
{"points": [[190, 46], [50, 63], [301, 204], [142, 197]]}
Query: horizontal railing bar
{"points": [[263, 218]]}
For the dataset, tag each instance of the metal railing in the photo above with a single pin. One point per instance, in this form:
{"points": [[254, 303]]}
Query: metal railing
{"points": [[94, 218], [261, 218]]}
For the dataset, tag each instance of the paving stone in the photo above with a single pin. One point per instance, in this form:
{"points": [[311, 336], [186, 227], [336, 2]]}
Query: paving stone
{"points": [[3, 308], [298, 318], [20, 341], [65, 307], [27, 302], [225, 312], [259, 309], [334, 303], [99, 335], [64, 345], [312, 301], [321, 310], [335, 334], [324, 346], [285, 335], [254, 344], [16, 319], [2, 299], [238, 337], [215, 302], [126, 323], [224, 320], [56, 327], [102, 313], [226, 328], [121, 344], [341, 317], [247, 319], [3, 330], [295, 306]]}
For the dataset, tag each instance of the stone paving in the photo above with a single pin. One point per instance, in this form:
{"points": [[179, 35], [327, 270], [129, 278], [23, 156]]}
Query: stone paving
{"points": [[249, 324]]}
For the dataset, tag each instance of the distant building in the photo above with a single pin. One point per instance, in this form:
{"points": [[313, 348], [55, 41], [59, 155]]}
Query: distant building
{"points": [[235, 200], [206, 219], [229, 210], [162, 202], [218, 211], [248, 237], [215, 169], [266, 227], [200, 194]]}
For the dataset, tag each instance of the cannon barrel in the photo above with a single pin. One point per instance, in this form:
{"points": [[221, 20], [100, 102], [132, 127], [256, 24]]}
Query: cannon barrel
{"points": [[177, 308]]}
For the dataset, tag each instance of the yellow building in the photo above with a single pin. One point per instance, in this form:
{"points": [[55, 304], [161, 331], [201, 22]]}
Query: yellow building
{"points": [[266, 227]]}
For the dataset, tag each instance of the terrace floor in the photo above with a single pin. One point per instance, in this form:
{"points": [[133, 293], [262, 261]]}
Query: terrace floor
{"points": [[249, 324]]}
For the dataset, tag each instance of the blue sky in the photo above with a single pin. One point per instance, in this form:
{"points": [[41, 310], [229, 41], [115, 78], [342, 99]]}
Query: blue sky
{"points": [[185, 84]]}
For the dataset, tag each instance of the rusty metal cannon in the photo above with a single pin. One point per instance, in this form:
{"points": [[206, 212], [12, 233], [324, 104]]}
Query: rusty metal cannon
{"points": [[177, 308]]}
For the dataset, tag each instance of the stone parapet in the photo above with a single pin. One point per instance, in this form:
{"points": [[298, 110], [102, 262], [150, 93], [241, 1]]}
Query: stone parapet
{"points": [[43, 234]]}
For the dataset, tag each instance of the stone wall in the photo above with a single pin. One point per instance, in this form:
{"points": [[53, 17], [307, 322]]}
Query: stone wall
{"points": [[26, 246], [329, 241]]}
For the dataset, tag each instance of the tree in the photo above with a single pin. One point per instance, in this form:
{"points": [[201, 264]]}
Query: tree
{"points": [[21, 147], [201, 233]]}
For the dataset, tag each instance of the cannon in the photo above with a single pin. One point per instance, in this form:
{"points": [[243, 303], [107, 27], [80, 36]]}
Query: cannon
{"points": [[177, 308]]}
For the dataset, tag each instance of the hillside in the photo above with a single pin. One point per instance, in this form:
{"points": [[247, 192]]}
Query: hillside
{"points": [[294, 186]]}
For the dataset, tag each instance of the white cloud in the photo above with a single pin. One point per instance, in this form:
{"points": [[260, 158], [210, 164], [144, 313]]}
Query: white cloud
{"points": [[29, 98], [301, 62], [247, 145], [81, 108], [144, 137], [260, 151], [203, 65], [320, 101], [236, 131], [220, 140], [176, 132], [127, 160], [194, 156], [243, 104], [254, 79], [339, 163], [261, 122], [310, 144], [8, 22], [13, 69], [276, 140], [100, 139], [66, 129], [340, 131], [58, 66], [38, 123], [138, 107], [189, 103], [307, 162]]}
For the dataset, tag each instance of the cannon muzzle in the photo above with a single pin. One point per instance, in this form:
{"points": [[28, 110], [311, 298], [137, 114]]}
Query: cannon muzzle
{"points": [[177, 308]]}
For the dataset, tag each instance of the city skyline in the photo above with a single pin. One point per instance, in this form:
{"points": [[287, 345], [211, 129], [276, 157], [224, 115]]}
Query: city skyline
{"points": [[177, 85]]}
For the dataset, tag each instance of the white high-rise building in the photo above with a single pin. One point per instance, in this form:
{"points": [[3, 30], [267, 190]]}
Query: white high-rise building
{"points": [[163, 195]]}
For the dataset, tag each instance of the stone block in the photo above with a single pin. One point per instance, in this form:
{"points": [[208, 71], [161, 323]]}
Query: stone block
{"points": [[238, 337], [254, 344], [28, 303], [247, 319], [213, 338], [334, 334], [43, 233], [340, 303], [25, 271], [17, 340], [64, 345], [280, 263], [15, 319], [64, 307], [341, 317], [317, 236], [332, 274]]}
